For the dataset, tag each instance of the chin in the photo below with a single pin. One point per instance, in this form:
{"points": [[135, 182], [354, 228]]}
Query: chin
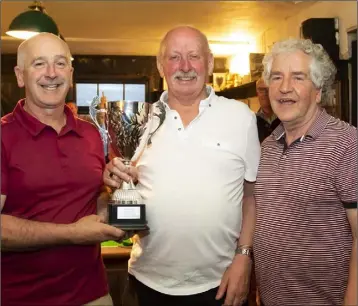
{"points": [[286, 117], [53, 103], [185, 88], [190, 84]]}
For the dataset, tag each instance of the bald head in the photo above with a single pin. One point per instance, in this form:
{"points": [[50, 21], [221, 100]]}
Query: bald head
{"points": [[37, 41], [180, 30]]}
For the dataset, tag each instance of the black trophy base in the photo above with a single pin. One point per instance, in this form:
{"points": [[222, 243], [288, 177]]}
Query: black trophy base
{"points": [[127, 217]]}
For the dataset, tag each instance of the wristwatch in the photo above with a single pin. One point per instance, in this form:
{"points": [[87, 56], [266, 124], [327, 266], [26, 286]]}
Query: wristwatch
{"points": [[244, 250]]}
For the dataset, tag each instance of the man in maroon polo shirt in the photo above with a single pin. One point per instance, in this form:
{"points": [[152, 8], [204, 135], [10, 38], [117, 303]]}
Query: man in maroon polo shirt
{"points": [[51, 179], [305, 242]]}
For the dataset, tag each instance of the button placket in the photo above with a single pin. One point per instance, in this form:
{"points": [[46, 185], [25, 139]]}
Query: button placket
{"points": [[63, 158], [177, 122]]}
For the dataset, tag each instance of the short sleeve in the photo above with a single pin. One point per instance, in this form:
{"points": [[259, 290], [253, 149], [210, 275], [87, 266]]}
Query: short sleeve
{"points": [[252, 153], [4, 170], [345, 176]]}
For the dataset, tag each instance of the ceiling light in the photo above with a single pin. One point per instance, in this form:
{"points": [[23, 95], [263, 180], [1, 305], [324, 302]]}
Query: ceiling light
{"points": [[32, 22]]}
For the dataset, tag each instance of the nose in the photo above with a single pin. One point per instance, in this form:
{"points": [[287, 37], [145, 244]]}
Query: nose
{"points": [[286, 85], [185, 65], [51, 71]]}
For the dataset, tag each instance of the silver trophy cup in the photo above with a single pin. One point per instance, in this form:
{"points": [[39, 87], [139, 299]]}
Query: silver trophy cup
{"points": [[121, 125]]}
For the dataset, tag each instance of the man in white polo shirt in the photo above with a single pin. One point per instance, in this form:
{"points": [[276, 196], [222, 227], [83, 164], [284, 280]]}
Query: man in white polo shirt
{"points": [[196, 176]]}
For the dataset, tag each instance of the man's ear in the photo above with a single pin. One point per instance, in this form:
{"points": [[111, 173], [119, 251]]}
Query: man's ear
{"points": [[71, 80], [318, 95], [160, 67], [210, 64], [19, 76]]}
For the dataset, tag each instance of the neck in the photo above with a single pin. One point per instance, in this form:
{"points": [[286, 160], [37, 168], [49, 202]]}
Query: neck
{"points": [[267, 112], [54, 117], [186, 106], [297, 129]]}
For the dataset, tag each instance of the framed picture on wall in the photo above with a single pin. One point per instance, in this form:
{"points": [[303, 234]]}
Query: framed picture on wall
{"points": [[256, 67]]}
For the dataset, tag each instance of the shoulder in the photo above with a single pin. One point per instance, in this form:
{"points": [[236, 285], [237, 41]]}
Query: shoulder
{"points": [[269, 145], [234, 107], [9, 127], [7, 121], [341, 130], [269, 141], [87, 128], [86, 125], [9, 133]]}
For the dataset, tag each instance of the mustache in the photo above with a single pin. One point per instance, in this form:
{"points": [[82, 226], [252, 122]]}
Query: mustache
{"points": [[182, 74]]}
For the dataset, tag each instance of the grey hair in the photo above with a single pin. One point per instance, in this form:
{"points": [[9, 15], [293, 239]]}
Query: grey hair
{"points": [[322, 69], [164, 41], [22, 49]]}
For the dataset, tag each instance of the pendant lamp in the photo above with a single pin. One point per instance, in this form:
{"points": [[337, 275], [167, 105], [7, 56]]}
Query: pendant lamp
{"points": [[32, 22]]}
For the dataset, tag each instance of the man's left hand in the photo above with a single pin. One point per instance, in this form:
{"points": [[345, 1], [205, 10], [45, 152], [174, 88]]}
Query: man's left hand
{"points": [[236, 281]]}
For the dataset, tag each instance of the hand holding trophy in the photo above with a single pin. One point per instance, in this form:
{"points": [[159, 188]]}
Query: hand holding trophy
{"points": [[122, 124]]}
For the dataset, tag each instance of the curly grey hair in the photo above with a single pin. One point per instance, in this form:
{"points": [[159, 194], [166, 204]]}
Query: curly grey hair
{"points": [[322, 69]]}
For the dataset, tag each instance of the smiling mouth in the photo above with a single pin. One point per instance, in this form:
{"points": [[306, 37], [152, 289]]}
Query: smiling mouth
{"points": [[185, 78], [50, 87], [286, 101]]}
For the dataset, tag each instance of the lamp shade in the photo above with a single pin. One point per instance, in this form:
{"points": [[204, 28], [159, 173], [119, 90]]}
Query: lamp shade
{"points": [[30, 23]]}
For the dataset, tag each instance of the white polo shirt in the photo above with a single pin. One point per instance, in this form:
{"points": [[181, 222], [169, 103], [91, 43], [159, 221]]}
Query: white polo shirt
{"points": [[191, 180]]}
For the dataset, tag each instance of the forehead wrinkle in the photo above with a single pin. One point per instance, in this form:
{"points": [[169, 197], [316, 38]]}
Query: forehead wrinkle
{"points": [[187, 32], [34, 45], [46, 58]]}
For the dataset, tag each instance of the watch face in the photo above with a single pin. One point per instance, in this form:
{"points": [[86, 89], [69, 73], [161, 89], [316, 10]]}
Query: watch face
{"points": [[244, 251]]}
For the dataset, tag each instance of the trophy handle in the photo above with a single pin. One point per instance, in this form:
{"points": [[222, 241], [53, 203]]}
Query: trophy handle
{"points": [[145, 136], [93, 111]]}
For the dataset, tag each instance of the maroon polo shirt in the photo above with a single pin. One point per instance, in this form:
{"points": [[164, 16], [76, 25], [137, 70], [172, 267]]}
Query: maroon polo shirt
{"points": [[55, 178]]}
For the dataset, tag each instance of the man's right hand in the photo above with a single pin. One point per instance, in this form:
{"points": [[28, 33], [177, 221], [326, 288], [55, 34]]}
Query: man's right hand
{"points": [[92, 229], [116, 172]]}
